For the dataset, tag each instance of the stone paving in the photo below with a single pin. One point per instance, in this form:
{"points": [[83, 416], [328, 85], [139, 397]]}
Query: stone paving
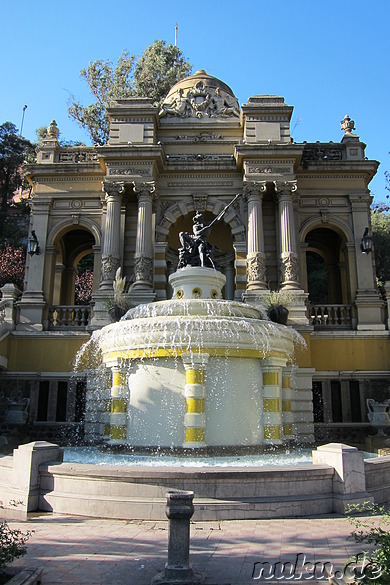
{"points": [[80, 550]]}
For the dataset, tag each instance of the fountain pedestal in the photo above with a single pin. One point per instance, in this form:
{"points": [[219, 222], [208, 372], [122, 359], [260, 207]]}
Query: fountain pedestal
{"points": [[179, 510]]}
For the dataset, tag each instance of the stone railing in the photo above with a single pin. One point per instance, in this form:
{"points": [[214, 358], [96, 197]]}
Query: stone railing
{"points": [[331, 316], [322, 152], [69, 316], [77, 154]]}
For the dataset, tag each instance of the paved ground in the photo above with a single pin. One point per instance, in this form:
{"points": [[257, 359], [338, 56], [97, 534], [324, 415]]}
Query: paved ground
{"points": [[100, 552]]}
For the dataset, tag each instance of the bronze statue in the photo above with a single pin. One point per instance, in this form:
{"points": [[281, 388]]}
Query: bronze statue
{"points": [[195, 250]]}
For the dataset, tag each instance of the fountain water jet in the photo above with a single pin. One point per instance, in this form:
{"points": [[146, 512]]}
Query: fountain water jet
{"points": [[196, 371]]}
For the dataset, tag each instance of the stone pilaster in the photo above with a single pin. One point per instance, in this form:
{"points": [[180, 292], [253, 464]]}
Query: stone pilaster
{"points": [[368, 304], [33, 302], [111, 254], [195, 417], [288, 262], [256, 274]]}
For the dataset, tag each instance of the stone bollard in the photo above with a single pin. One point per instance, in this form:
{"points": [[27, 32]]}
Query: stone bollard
{"points": [[179, 510]]}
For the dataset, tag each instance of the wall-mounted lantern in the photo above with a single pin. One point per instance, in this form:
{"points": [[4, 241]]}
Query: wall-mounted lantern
{"points": [[33, 244], [366, 242]]}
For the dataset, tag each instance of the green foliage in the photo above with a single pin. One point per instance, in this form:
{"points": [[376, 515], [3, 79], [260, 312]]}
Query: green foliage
{"points": [[373, 531], [12, 542], [277, 298], [158, 69], [14, 150], [380, 223], [150, 75]]}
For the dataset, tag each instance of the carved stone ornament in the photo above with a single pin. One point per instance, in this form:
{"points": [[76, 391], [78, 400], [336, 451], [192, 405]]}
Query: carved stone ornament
{"points": [[143, 269], [52, 131], [254, 188], [347, 124], [109, 266], [200, 100], [285, 187], [288, 267], [255, 265], [200, 202], [147, 188], [113, 189]]}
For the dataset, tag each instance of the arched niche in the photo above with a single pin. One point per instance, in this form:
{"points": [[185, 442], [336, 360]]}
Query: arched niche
{"points": [[70, 243]]}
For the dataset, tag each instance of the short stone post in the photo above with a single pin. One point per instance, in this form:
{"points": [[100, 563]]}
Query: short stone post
{"points": [[349, 480], [179, 510]]}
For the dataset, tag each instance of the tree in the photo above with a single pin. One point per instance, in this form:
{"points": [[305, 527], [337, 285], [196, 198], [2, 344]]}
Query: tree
{"points": [[380, 223], [13, 152], [150, 75]]}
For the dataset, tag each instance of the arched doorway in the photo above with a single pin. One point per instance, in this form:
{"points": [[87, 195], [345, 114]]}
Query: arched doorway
{"points": [[328, 283], [72, 246]]}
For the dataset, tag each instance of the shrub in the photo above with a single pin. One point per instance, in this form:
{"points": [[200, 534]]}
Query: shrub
{"points": [[376, 531], [12, 542], [12, 265], [83, 287]]}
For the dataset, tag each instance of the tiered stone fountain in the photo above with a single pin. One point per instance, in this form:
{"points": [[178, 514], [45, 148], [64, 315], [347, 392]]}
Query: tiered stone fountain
{"points": [[197, 371]]}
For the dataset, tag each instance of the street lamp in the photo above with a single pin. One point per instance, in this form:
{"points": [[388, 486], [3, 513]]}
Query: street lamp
{"points": [[33, 244], [21, 125], [366, 242]]}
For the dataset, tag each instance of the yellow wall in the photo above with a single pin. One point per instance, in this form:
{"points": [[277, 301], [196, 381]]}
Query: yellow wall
{"points": [[43, 354], [345, 353]]}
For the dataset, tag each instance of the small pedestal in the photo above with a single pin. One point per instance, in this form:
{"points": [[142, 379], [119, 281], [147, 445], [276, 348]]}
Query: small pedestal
{"points": [[197, 282], [179, 510]]}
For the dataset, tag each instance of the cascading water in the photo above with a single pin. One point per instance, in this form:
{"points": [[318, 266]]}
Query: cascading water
{"points": [[192, 372]]}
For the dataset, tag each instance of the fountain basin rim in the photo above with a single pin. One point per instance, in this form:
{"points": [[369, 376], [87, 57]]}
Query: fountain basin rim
{"points": [[163, 352], [124, 473]]}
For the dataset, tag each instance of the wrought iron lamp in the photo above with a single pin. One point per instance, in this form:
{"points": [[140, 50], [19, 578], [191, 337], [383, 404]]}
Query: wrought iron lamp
{"points": [[33, 244], [366, 242]]}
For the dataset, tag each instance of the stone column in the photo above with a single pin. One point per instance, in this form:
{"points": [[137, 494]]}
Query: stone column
{"points": [[111, 254], [195, 418], [118, 416], [143, 257], [288, 253], [255, 256], [272, 403]]}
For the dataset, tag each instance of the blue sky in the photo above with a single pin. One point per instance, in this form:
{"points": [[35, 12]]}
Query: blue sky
{"points": [[326, 58]]}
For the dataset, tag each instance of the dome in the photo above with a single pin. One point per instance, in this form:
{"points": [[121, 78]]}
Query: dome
{"points": [[202, 96], [200, 76]]}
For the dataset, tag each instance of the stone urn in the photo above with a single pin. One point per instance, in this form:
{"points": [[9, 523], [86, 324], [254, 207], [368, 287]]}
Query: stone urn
{"points": [[278, 314], [379, 414], [17, 411]]}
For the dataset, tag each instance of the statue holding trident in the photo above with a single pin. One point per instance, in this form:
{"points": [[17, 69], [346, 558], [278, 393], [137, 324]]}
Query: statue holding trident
{"points": [[195, 250]]}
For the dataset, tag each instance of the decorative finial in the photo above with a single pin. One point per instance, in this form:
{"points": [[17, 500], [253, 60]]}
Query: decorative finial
{"points": [[347, 124], [52, 131]]}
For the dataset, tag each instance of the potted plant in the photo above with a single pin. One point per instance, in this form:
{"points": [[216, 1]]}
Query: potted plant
{"points": [[118, 304], [276, 305]]}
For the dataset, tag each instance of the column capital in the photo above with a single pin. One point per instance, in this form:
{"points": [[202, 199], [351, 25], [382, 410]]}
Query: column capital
{"points": [[285, 189], [145, 190], [254, 190], [113, 189]]}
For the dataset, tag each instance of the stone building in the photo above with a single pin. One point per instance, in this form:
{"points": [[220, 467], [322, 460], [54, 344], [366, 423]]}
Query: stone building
{"points": [[297, 225]]}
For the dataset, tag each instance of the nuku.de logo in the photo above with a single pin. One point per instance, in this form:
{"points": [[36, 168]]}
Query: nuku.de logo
{"points": [[302, 569]]}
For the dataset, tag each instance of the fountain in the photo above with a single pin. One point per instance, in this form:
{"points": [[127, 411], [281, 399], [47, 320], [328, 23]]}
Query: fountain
{"points": [[195, 372], [196, 376]]}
